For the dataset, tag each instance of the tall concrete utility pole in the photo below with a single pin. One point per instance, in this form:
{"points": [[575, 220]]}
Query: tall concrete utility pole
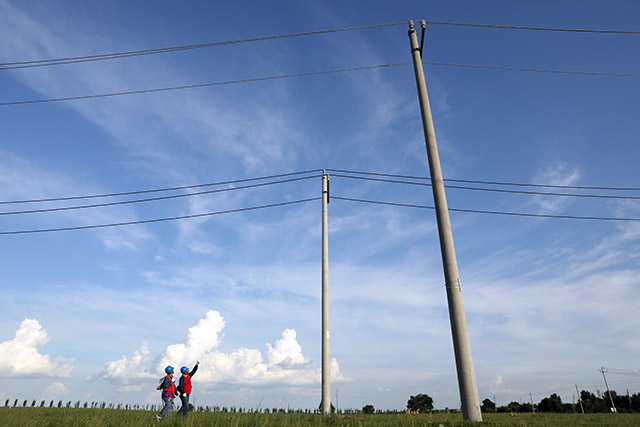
{"points": [[533, 408], [579, 399], [461, 346], [613, 405], [326, 362]]}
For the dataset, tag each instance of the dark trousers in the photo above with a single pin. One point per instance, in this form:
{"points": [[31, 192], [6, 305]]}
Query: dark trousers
{"points": [[185, 404]]}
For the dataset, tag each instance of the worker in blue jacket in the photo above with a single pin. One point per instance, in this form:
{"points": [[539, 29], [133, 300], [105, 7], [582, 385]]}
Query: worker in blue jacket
{"points": [[168, 387], [184, 387]]}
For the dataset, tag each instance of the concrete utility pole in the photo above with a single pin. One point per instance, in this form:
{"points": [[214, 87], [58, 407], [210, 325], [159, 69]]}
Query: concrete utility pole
{"points": [[579, 399], [533, 408], [461, 346], [326, 363], [603, 370]]}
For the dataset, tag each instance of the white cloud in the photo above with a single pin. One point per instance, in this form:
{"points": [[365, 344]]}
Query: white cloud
{"points": [[55, 390], [203, 337], [497, 380], [20, 356], [125, 369], [132, 387], [22, 179], [285, 363], [286, 350], [555, 173]]}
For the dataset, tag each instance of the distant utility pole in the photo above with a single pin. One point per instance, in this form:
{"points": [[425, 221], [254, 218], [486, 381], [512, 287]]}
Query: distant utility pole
{"points": [[461, 346], [579, 399], [326, 365], [533, 409], [603, 370]]}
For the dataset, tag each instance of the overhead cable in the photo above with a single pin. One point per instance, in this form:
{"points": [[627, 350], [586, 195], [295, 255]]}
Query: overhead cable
{"points": [[157, 190], [128, 54], [311, 73], [174, 196], [487, 212], [148, 221], [577, 187], [536, 70], [228, 82], [132, 53], [515, 27], [496, 190], [337, 174]]}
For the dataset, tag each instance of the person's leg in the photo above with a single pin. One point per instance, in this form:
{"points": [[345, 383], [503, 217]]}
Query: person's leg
{"points": [[166, 409], [163, 411], [185, 404]]}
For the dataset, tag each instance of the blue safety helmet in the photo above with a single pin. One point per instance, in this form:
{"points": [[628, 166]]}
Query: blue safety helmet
{"points": [[183, 369], [168, 369]]}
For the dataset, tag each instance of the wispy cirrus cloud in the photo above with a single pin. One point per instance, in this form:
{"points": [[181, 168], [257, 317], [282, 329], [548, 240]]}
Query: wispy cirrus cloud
{"points": [[23, 179], [555, 173]]}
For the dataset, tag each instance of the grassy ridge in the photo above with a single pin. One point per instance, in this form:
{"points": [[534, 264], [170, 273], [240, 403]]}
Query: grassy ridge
{"points": [[49, 417]]}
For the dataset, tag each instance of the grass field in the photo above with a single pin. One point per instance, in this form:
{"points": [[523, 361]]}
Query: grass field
{"points": [[112, 417]]}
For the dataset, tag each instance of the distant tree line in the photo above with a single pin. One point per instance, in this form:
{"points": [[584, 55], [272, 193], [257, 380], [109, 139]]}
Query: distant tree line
{"points": [[590, 403], [149, 407]]}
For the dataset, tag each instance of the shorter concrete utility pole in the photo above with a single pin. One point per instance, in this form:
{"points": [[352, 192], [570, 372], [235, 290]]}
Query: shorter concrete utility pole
{"points": [[326, 362], [461, 346]]}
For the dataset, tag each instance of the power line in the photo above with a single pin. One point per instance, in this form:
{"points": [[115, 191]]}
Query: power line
{"points": [[487, 212], [311, 171], [228, 82], [577, 187], [175, 196], [514, 27], [132, 53], [286, 76], [497, 190], [128, 54], [303, 201], [148, 221], [157, 190], [536, 70]]}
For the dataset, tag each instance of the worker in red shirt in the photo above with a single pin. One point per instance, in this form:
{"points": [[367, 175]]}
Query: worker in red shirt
{"points": [[184, 387]]}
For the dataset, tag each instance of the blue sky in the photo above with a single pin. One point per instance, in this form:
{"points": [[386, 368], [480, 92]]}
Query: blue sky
{"points": [[95, 315]]}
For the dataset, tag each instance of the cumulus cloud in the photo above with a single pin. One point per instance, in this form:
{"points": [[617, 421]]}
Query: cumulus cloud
{"points": [[56, 390], [201, 338], [497, 380], [132, 387], [129, 368], [285, 363], [286, 351], [20, 356]]}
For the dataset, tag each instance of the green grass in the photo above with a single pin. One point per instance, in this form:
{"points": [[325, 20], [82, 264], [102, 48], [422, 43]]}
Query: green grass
{"points": [[112, 417]]}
